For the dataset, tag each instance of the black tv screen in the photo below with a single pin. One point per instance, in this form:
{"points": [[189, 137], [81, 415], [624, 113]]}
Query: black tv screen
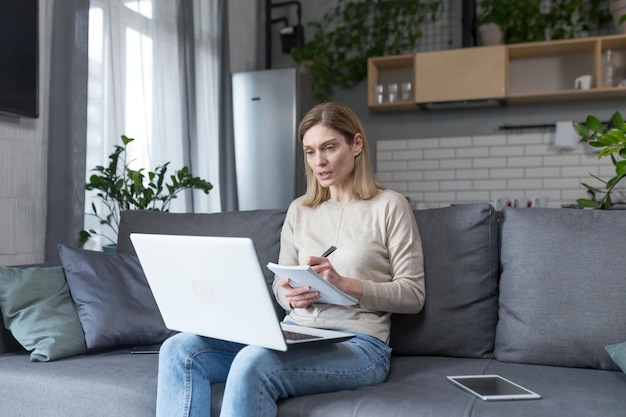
{"points": [[19, 57]]}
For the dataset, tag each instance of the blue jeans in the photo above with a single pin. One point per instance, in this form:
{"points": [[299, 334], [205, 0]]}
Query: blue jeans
{"points": [[257, 377]]}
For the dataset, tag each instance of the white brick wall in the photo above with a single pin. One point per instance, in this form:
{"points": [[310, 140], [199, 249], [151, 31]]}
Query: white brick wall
{"points": [[438, 172]]}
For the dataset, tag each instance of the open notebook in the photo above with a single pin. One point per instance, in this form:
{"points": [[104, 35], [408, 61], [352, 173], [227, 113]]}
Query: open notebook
{"points": [[215, 287]]}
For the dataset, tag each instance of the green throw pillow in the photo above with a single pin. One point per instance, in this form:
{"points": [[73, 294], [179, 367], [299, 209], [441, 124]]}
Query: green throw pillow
{"points": [[618, 354], [38, 310]]}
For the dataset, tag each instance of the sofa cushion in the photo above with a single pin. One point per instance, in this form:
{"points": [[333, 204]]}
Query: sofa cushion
{"points": [[562, 286], [565, 392], [103, 384], [114, 301], [262, 226], [38, 310], [417, 387], [459, 317]]}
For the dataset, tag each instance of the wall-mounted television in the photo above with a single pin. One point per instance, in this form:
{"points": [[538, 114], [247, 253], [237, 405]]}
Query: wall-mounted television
{"points": [[19, 57]]}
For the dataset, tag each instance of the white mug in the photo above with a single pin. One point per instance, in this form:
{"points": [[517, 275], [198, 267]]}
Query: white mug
{"points": [[583, 82]]}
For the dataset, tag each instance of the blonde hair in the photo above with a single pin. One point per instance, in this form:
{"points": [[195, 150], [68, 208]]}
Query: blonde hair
{"points": [[341, 118]]}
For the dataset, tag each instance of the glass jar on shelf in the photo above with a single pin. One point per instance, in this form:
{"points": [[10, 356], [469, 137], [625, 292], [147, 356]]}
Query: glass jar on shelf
{"points": [[608, 69]]}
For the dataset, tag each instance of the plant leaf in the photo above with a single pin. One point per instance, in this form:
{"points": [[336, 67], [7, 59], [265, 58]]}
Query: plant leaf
{"points": [[581, 130], [583, 202], [594, 124], [591, 188]]}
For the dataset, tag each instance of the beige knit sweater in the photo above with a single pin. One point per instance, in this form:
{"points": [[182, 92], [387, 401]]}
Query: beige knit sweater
{"points": [[378, 243]]}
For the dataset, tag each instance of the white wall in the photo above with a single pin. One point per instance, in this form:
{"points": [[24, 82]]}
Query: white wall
{"points": [[433, 171], [23, 164], [438, 172], [245, 19]]}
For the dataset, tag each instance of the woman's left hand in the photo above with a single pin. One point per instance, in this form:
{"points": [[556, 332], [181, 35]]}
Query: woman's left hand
{"points": [[299, 297]]}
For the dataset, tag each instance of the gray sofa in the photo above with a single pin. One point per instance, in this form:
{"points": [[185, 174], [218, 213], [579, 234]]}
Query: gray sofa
{"points": [[533, 295]]}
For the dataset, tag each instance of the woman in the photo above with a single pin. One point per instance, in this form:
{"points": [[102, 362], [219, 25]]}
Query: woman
{"points": [[379, 262]]}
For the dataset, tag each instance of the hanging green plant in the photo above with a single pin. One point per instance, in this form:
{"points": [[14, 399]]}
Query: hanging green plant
{"points": [[354, 31], [537, 20]]}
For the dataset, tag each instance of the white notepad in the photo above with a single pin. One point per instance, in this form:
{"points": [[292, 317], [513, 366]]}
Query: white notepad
{"points": [[305, 275]]}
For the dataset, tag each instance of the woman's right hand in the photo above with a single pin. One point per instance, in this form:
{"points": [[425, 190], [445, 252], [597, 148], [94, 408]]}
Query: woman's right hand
{"points": [[299, 297]]}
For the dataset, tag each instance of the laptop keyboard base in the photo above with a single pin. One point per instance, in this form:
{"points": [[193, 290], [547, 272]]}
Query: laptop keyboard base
{"points": [[299, 336]]}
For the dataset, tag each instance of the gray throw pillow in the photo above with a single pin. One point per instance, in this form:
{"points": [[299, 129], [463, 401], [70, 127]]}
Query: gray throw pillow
{"points": [[114, 301], [562, 287], [262, 226], [460, 245], [38, 310]]}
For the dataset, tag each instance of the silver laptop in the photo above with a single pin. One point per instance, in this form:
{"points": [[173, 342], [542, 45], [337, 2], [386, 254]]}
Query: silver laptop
{"points": [[215, 287]]}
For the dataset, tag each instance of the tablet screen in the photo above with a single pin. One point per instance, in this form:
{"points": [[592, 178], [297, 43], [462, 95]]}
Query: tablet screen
{"points": [[492, 387]]}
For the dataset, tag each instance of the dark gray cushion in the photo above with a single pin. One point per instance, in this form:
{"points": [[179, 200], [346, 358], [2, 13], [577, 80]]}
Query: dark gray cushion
{"points": [[262, 226], [562, 287], [115, 304], [460, 246], [37, 308]]}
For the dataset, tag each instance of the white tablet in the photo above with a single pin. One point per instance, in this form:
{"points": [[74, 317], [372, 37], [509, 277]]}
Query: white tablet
{"points": [[492, 387]]}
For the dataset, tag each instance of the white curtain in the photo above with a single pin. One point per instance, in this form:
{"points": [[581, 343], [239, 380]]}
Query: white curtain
{"points": [[141, 85], [205, 128]]}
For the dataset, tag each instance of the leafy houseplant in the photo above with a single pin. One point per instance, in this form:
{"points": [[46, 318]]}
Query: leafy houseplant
{"points": [[121, 188], [355, 30], [536, 20], [612, 142]]}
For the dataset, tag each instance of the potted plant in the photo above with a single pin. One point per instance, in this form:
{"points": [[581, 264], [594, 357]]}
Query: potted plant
{"points": [[492, 21], [536, 20], [490, 34], [611, 140], [119, 187], [356, 30]]}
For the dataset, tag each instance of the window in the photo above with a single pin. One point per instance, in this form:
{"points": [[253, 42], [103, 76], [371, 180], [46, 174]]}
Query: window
{"points": [[136, 89]]}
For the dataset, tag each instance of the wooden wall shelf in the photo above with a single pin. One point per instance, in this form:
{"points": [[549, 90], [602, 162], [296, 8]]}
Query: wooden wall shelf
{"points": [[530, 72]]}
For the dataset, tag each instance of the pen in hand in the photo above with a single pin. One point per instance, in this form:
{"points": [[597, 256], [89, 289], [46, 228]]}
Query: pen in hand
{"points": [[329, 251]]}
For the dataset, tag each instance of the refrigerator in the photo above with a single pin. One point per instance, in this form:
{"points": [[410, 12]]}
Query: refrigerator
{"points": [[267, 108]]}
